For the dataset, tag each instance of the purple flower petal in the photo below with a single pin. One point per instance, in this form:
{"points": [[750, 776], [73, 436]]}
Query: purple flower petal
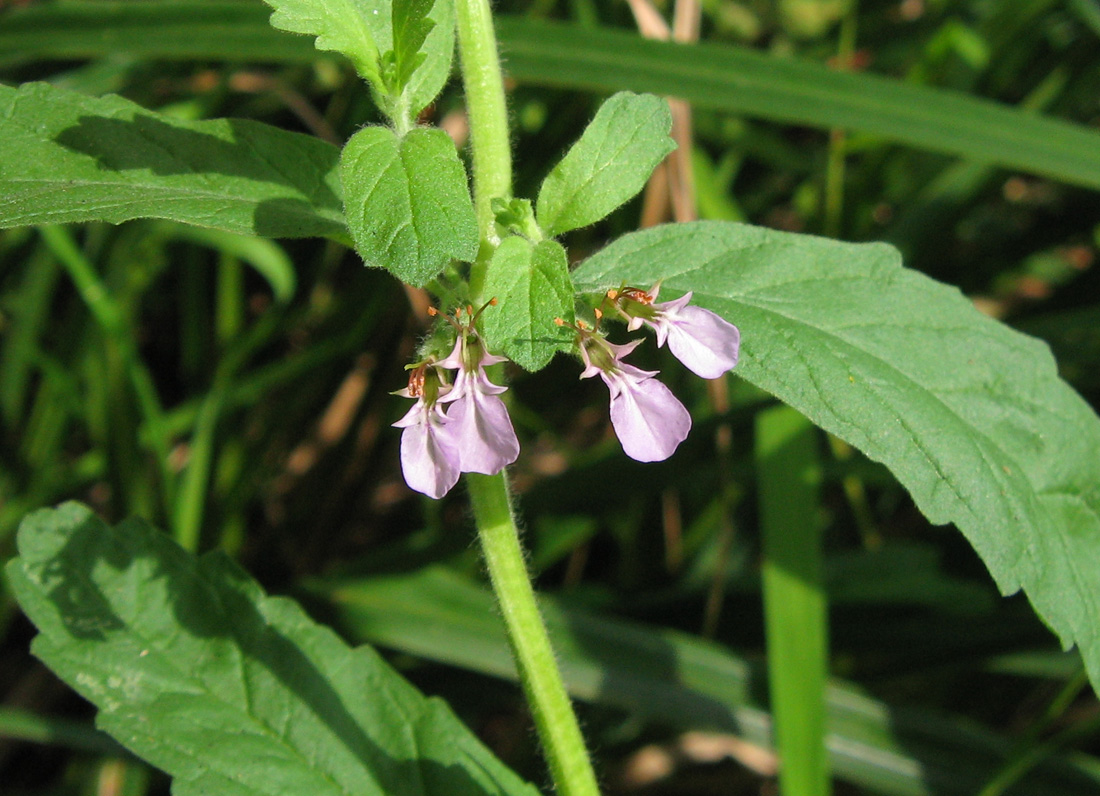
{"points": [[429, 450], [706, 343], [648, 420], [486, 441]]}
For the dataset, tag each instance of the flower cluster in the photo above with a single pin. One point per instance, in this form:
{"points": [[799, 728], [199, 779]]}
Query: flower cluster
{"points": [[473, 435], [464, 427], [648, 419]]}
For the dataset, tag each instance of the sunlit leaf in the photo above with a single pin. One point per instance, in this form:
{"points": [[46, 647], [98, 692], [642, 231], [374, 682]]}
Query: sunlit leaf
{"points": [[411, 26], [969, 415], [69, 157], [410, 226], [228, 690], [362, 30], [608, 165]]}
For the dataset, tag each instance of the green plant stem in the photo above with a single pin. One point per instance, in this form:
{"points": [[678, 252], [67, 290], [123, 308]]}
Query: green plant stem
{"points": [[559, 732], [485, 105], [538, 671]]}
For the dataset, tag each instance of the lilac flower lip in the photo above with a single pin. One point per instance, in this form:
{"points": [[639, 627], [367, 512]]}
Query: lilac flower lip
{"points": [[648, 419], [429, 447], [707, 344], [487, 442]]}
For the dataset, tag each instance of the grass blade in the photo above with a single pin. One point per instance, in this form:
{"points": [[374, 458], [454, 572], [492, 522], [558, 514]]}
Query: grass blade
{"points": [[794, 597]]}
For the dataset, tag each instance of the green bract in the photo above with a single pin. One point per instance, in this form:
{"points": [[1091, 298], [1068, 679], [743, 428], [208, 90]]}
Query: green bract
{"points": [[608, 165], [228, 690], [407, 201], [532, 287], [969, 415]]}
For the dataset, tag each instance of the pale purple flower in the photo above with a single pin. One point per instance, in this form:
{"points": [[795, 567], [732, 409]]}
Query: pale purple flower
{"points": [[648, 420], [487, 442], [429, 447], [706, 343]]}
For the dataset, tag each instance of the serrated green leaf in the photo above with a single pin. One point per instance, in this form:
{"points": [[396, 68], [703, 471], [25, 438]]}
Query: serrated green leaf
{"points": [[69, 157], [608, 165], [231, 692], [532, 287], [969, 415], [411, 27], [348, 27], [407, 201], [363, 29]]}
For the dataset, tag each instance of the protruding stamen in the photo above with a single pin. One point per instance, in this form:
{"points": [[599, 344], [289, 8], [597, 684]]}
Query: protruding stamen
{"points": [[637, 294], [416, 380], [474, 316]]}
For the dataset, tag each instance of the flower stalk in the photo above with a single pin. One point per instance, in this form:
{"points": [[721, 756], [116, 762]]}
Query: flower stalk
{"points": [[559, 732]]}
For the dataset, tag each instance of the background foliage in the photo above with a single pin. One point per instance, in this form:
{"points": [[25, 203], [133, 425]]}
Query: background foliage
{"points": [[260, 371]]}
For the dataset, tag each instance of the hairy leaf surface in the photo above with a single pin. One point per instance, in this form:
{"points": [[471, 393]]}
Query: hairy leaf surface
{"points": [[230, 691], [608, 165], [969, 415], [69, 157], [349, 27], [362, 30], [408, 203], [411, 26], [532, 287]]}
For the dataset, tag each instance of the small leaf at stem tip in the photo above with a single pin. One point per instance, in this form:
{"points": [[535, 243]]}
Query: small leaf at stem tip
{"points": [[343, 26], [608, 165], [407, 202], [417, 58], [411, 27]]}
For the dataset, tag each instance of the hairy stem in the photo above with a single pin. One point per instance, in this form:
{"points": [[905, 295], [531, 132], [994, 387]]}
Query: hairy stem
{"points": [[492, 155], [555, 721], [542, 684]]}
